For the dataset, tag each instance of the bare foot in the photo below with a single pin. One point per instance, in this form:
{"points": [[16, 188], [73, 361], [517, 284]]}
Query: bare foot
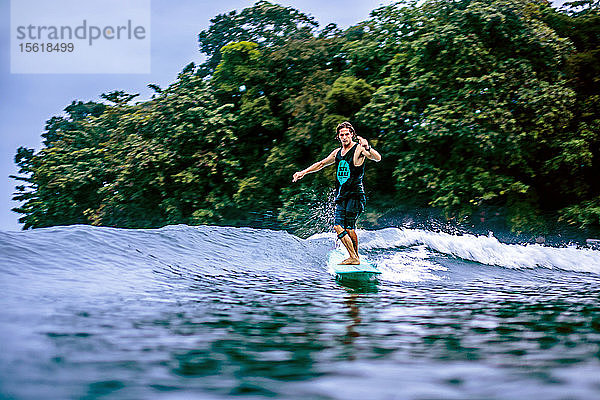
{"points": [[350, 261]]}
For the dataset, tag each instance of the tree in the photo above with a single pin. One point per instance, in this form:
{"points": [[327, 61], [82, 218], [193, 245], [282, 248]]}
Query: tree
{"points": [[473, 105], [265, 23]]}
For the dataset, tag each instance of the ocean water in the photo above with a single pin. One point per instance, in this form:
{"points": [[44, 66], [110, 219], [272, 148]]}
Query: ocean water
{"points": [[218, 312]]}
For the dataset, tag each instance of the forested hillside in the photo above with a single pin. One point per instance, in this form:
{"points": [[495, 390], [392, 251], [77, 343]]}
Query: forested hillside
{"points": [[472, 104]]}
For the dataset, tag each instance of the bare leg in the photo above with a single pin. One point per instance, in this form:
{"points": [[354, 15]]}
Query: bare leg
{"points": [[347, 242], [354, 238]]}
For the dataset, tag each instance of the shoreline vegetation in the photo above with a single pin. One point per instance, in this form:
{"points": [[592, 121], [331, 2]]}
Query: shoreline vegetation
{"points": [[475, 106]]}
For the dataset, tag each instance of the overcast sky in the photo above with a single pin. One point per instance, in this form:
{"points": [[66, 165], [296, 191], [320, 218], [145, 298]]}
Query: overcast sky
{"points": [[28, 100]]}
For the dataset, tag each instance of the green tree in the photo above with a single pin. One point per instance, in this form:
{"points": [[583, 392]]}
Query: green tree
{"points": [[472, 104], [265, 23], [486, 103]]}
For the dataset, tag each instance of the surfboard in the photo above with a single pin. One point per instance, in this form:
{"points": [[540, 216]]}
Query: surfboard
{"points": [[364, 271]]}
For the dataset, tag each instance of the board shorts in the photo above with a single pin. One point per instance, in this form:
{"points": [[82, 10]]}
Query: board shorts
{"points": [[347, 212]]}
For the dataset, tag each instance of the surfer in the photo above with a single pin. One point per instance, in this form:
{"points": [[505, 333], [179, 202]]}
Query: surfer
{"points": [[350, 197]]}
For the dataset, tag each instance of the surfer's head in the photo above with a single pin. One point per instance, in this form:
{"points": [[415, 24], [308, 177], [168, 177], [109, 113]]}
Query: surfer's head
{"points": [[344, 132]]}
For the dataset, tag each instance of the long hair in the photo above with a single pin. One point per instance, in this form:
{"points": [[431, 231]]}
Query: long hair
{"points": [[345, 124]]}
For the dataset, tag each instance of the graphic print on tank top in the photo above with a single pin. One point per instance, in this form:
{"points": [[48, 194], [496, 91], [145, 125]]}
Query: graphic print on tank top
{"points": [[343, 172]]}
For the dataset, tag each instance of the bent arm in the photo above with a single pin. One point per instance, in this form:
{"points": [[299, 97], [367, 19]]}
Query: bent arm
{"points": [[319, 165], [372, 154]]}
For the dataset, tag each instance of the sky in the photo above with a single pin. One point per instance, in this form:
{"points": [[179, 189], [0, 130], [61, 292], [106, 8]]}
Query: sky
{"points": [[29, 100]]}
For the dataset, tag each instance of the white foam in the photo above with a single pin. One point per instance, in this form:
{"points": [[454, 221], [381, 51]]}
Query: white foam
{"points": [[413, 265], [410, 266], [485, 249]]}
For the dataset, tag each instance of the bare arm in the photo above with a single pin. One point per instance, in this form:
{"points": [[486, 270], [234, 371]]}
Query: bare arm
{"points": [[371, 154], [330, 159]]}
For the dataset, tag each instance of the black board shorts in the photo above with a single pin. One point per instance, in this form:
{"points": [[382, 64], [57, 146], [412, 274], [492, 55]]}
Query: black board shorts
{"points": [[347, 212]]}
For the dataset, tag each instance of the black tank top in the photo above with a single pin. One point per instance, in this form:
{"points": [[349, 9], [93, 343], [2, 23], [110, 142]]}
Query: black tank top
{"points": [[348, 182]]}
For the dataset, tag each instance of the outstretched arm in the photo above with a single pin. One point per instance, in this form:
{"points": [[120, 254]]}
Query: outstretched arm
{"points": [[330, 159]]}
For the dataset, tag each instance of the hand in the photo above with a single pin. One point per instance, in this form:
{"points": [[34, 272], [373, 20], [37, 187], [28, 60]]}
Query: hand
{"points": [[362, 141], [297, 176]]}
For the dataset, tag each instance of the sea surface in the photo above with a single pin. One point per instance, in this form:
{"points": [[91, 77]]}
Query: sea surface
{"points": [[219, 312]]}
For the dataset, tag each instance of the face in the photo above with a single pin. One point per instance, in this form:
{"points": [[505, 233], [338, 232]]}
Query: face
{"points": [[345, 136]]}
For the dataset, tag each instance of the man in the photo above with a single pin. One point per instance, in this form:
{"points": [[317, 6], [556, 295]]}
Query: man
{"points": [[350, 197]]}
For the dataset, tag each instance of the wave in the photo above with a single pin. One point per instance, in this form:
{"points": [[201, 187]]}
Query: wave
{"points": [[485, 249], [113, 259], [133, 258]]}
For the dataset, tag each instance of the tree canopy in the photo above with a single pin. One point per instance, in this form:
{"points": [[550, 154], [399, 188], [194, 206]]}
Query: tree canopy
{"points": [[472, 103]]}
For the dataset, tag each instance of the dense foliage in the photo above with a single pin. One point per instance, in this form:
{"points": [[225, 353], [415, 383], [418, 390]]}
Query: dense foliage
{"points": [[472, 103]]}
